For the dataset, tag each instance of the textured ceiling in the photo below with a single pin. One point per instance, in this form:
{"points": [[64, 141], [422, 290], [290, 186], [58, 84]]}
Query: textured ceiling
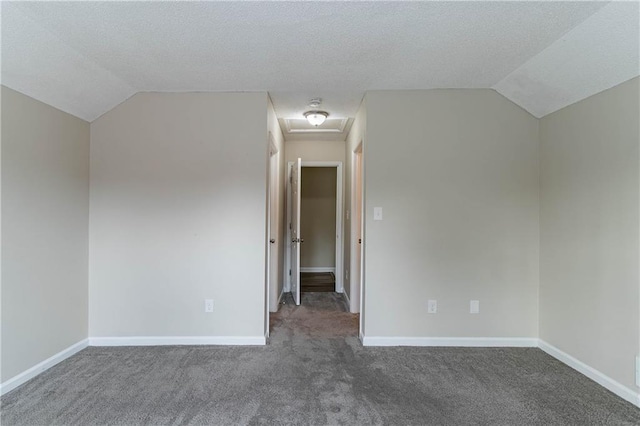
{"points": [[596, 55], [86, 57]]}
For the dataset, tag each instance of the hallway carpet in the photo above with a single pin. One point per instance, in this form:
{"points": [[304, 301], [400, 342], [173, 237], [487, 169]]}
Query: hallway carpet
{"points": [[320, 315], [310, 377]]}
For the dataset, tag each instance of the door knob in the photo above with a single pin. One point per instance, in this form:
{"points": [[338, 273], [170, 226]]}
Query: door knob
{"points": [[302, 240], [272, 240]]}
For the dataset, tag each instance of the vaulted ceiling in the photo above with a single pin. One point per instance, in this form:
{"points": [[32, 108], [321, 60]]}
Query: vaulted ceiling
{"points": [[86, 57]]}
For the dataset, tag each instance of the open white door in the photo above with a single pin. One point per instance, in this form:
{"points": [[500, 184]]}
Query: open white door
{"points": [[296, 240], [358, 224], [357, 231], [273, 267]]}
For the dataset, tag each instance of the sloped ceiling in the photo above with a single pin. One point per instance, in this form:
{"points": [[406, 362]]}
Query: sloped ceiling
{"points": [[87, 57]]}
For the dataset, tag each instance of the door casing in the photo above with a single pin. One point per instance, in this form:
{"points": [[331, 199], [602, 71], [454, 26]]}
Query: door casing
{"points": [[271, 273], [339, 225]]}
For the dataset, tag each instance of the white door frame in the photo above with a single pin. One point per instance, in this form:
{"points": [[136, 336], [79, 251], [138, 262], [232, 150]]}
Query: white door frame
{"points": [[339, 274], [272, 185], [356, 278]]}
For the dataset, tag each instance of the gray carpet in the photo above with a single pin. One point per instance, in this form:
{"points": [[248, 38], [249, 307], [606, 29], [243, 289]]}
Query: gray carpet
{"points": [[311, 378], [320, 315]]}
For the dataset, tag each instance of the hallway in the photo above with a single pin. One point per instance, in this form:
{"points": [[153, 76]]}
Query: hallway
{"points": [[320, 315]]}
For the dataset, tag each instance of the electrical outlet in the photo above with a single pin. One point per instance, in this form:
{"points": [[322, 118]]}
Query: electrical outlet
{"points": [[474, 307], [208, 305], [432, 306]]}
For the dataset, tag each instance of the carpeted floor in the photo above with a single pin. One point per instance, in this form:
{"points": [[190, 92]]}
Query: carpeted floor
{"points": [[320, 315], [309, 376]]}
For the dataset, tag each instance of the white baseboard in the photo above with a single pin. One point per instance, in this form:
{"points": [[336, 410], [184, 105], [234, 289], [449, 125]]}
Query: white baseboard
{"points": [[177, 340], [595, 375], [317, 269], [32, 372], [494, 342]]}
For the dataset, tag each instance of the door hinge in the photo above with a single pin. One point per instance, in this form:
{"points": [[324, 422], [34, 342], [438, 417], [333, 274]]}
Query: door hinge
{"points": [[289, 225], [289, 272]]}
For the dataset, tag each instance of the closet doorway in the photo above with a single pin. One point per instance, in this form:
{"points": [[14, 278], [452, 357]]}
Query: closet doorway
{"points": [[314, 228]]}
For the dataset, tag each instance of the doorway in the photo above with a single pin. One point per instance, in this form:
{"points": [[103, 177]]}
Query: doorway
{"points": [[311, 314], [318, 198], [314, 228]]}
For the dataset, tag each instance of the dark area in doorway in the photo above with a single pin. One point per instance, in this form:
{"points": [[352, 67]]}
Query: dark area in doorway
{"points": [[314, 282]]}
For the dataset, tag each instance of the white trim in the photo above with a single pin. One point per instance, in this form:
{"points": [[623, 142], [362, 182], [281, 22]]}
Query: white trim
{"points": [[272, 185], [493, 342], [286, 285], [356, 249], [32, 372], [612, 385], [595, 375], [339, 213], [318, 269], [339, 268], [342, 124], [331, 164], [273, 148], [339, 230], [528, 342], [346, 297], [177, 340]]}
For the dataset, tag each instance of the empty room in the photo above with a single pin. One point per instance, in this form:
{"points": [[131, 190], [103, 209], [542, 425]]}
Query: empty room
{"points": [[320, 213]]}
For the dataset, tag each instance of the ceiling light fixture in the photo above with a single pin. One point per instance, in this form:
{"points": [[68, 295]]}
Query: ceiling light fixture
{"points": [[316, 118]]}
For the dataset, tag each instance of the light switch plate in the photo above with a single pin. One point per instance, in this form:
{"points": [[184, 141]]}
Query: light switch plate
{"points": [[377, 213], [474, 307]]}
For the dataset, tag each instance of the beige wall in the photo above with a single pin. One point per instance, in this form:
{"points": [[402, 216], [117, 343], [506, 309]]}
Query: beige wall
{"points": [[178, 208], [314, 150], [277, 211], [45, 213], [318, 217], [456, 173], [478, 204], [589, 231]]}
